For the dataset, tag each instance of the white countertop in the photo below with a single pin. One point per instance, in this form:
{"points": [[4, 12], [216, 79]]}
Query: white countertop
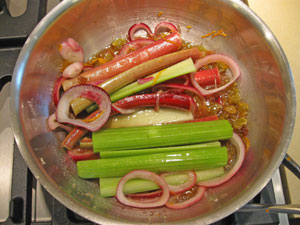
{"points": [[282, 17]]}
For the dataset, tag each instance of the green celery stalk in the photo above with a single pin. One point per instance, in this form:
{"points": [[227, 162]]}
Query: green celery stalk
{"points": [[108, 186], [161, 162], [124, 153], [184, 67], [160, 136]]}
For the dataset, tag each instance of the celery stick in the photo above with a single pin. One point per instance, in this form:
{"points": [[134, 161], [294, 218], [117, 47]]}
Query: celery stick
{"points": [[161, 162], [184, 67], [160, 136], [123, 153], [108, 186]]}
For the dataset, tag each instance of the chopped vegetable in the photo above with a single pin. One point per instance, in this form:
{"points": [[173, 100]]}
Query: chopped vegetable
{"points": [[71, 51], [208, 77], [137, 72], [233, 66], [176, 189], [87, 91], [238, 143], [159, 136], [56, 90], [186, 199], [161, 162], [143, 204], [123, 63], [170, 100], [146, 151], [73, 70], [135, 45], [164, 27], [184, 67], [79, 154], [108, 186], [137, 27]]}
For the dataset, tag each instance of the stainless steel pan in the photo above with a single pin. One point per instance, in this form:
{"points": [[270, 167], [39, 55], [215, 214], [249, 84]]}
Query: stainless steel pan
{"points": [[266, 84]]}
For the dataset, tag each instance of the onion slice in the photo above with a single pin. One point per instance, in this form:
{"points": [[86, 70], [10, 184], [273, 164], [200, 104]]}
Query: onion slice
{"points": [[238, 143], [137, 27], [164, 27], [134, 45], [56, 89], [143, 174], [93, 93], [176, 189], [53, 124], [173, 204], [233, 66]]}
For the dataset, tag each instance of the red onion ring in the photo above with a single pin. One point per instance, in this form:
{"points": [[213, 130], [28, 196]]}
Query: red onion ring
{"points": [[181, 205], [53, 124], [164, 27], [176, 189], [56, 89], [136, 27], [135, 44], [238, 143], [235, 70], [93, 93], [143, 174]]}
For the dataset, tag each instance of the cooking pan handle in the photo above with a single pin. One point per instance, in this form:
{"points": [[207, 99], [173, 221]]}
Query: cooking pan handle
{"points": [[265, 208], [289, 163]]}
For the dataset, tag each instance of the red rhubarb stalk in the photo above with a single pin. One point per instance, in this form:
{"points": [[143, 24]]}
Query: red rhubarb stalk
{"points": [[169, 44], [170, 100], [208, 77], [77, 133]]}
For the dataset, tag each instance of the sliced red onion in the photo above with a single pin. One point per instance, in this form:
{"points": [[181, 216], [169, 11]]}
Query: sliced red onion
{"points": [[143, 174], [239, 145], [145, 80], [233, 66], [137, 27], [176, 189], [71, 51], [93, 93], [53, 124], [164, 27], [173, 204], [56, 90], [73, 70], [134, 45]]}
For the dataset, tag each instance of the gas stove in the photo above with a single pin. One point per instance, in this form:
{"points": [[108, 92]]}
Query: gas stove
{"points": [[24, 201]]}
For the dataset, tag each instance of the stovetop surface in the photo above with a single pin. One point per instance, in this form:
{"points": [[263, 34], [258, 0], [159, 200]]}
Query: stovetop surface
{"points": [[28, 202]]}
